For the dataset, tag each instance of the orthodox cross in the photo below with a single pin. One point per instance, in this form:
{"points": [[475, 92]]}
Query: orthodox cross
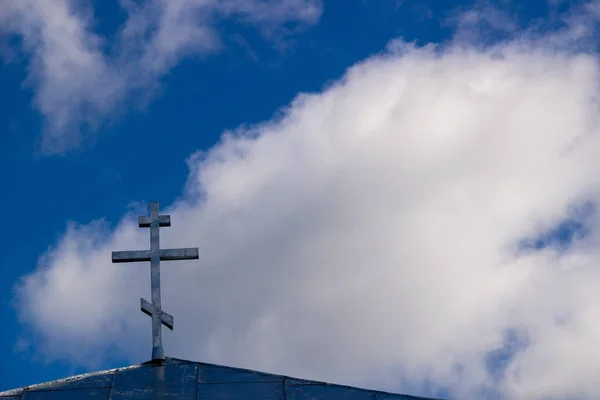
{"points": [[155, 255]]}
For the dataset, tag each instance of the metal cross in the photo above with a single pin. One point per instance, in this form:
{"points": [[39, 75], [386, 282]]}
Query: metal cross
{"points": [[154, 255]]}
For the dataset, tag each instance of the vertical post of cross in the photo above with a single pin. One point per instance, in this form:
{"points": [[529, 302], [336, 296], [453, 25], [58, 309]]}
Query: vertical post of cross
{"points": [[157, 348], [154, 221]]}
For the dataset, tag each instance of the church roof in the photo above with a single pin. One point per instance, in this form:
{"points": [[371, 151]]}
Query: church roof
{"points": [[181, 379]]}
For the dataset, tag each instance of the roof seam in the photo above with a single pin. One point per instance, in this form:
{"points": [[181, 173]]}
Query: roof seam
{"points": [[112, 385], [197, 382]]}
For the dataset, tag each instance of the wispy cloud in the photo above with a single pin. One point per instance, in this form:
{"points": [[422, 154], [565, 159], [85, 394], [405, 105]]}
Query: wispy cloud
{"points": [[488, 22], [81, 78]]}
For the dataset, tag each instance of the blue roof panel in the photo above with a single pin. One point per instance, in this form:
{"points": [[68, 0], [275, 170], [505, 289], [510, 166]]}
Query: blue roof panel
{"points": [[83, 394], [176, 381], [218, 374], [90, 382], [391, 396], [242, 391], [295, 381], [327, 392]]}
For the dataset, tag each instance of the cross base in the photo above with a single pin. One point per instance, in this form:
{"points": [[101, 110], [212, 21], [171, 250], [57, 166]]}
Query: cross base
{"points": [[158, 354]]}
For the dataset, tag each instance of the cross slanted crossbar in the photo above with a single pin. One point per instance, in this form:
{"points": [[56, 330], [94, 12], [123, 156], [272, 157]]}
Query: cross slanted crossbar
{"points": [[154, 221]]}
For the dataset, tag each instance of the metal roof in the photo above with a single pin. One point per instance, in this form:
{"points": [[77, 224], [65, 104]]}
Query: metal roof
{"points": [[181, 379]]}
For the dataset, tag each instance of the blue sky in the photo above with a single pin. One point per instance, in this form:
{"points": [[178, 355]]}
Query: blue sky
{"points": [[139, 149]]}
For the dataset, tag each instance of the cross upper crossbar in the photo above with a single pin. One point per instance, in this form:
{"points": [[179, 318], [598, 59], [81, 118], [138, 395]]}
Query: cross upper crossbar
{"points": [[154, 221], [163, 220]]}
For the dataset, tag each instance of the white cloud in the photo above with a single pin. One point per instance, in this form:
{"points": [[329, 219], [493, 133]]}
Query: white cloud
{"points": [[74, 81], [371, 229], [81, 78]]}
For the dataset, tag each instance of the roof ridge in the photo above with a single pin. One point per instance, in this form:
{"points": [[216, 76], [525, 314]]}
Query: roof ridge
{"points": [[20, 390]]}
